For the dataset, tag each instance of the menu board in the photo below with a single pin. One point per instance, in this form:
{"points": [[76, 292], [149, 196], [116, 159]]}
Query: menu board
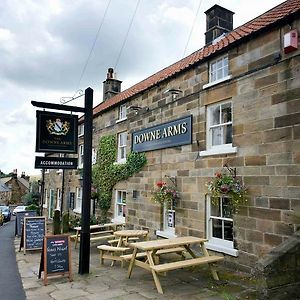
{"points": [[20, 220], [56, 256], [34, 232]]}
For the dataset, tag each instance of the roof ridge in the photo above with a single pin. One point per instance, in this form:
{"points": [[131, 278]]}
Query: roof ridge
{"points": [[264, 20]]}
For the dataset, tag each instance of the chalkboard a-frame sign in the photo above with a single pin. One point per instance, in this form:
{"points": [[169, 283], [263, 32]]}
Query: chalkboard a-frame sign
{"points": [[56, 257], [34, 230], [20, 220]]}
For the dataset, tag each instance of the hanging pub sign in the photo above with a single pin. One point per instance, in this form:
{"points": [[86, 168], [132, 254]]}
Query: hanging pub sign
{"points": [[56, 132], [166, 135], [55, 163]]}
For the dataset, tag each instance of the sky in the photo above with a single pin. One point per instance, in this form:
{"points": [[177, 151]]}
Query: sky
{"points": [[50, 49]]}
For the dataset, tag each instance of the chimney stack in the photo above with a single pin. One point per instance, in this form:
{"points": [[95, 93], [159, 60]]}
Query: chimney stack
{"points": [[219, 20], [111, 86]]}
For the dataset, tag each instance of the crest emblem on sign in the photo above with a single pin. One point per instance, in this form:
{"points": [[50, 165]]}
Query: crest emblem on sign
{"points": [[57, 127]]}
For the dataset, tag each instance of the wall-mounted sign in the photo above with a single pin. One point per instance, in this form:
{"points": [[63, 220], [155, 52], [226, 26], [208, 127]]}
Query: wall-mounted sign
{"points": [[166, 135], [56, 132], [55, 163]]}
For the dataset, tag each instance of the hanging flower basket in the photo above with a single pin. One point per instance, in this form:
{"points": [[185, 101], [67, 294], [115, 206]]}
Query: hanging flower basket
{"points": [[228, 185], [165, 194]]}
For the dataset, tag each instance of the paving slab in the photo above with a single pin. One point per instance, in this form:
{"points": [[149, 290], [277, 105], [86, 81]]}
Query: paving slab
{"points": [[111, 282]]}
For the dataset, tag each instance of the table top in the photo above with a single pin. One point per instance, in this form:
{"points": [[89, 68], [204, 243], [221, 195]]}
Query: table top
{"points": [[167, 243], [98, 226], [130, 233]]}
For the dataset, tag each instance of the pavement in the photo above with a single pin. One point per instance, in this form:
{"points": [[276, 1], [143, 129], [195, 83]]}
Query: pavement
{"points": [[111, 282]]}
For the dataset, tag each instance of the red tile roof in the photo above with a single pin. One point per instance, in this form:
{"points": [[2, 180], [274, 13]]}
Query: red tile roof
{"points": [[262, 22]]}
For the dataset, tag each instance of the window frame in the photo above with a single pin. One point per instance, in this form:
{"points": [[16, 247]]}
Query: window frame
{"points": [[221, 148], [80, 155], [78, 200], [225, 76], [119, 195], [81, 130], [122, 113], [121, 147], [168, 231], [214, 243]]}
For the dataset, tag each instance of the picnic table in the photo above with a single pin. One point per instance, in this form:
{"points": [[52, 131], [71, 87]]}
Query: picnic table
{"points": [[98, 232], [114, 253], [154, 247]]}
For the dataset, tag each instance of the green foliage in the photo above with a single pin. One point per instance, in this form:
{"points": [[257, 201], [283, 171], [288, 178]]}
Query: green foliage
{"points": [[56, 222], [165, 194], [65, 222], [74, 221], [32, 198], [106, 173], [227, 184], [34, 207]]}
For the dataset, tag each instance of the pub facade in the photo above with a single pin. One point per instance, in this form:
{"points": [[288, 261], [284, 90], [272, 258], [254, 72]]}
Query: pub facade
{"points": [[232, 105]]}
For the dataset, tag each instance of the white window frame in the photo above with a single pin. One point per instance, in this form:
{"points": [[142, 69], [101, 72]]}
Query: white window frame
{"points": [[168, 231], [45, 204], [58, 199], [122, 113], [78, 200], [120, 195], [214, 243], [81, 130], [218, 71], [122, 144], [51, 203], [222, 148], [80, 156]]}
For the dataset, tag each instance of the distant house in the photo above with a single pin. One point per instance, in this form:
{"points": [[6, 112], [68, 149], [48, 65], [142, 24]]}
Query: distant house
{"points": [[18, 187], [5, 194]]}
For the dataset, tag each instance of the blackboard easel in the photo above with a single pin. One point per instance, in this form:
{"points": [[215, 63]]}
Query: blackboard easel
{"points": [[33, 232], [56, 257]]}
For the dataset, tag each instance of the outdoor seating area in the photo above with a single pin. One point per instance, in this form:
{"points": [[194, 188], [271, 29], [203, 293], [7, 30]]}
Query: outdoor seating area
{"points": [[99, 232], [135, 248]]}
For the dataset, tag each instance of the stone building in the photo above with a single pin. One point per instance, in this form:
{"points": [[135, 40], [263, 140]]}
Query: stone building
{"points": [[238, 98], [18, 187]]}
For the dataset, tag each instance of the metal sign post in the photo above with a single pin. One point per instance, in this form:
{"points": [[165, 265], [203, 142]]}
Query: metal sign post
{"points": [[84, 255]]}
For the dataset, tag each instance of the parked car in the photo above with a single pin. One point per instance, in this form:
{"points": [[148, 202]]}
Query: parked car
{"points": [[19, 209], [5, 213]]}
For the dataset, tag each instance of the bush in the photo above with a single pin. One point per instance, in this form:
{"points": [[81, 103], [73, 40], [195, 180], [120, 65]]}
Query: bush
{"points": [[65, 222], [74, 221], [56, 222], [34, 207]]}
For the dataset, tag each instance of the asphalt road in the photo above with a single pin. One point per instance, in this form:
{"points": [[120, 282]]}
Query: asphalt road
{"points": [[10, 281]]}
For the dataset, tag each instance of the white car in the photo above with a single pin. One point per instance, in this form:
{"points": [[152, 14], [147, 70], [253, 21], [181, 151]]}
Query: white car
{"points": [[18, 209]]}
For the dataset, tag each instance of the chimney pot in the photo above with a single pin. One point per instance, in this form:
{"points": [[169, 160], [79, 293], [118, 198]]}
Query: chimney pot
{"points": [[111, 86], [219, 20]]}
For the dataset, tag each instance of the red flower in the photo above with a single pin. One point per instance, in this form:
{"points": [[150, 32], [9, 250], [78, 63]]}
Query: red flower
{"points": [[218, 174], [160, 184]]}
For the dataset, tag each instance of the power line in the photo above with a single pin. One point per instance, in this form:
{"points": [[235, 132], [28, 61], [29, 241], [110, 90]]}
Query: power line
{"points": [[126, 36], [195, 18], [93, 46]]}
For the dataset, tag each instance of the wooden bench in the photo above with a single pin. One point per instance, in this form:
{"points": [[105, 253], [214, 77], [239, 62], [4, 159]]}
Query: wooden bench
{"points": [[178, 250], [95, 236], [186, 263], [112, 253], [115, 241]]}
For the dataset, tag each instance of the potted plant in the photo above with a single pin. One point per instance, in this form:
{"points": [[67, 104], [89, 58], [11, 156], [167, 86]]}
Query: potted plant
{"points": [[226, 184], [165, 194]]}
